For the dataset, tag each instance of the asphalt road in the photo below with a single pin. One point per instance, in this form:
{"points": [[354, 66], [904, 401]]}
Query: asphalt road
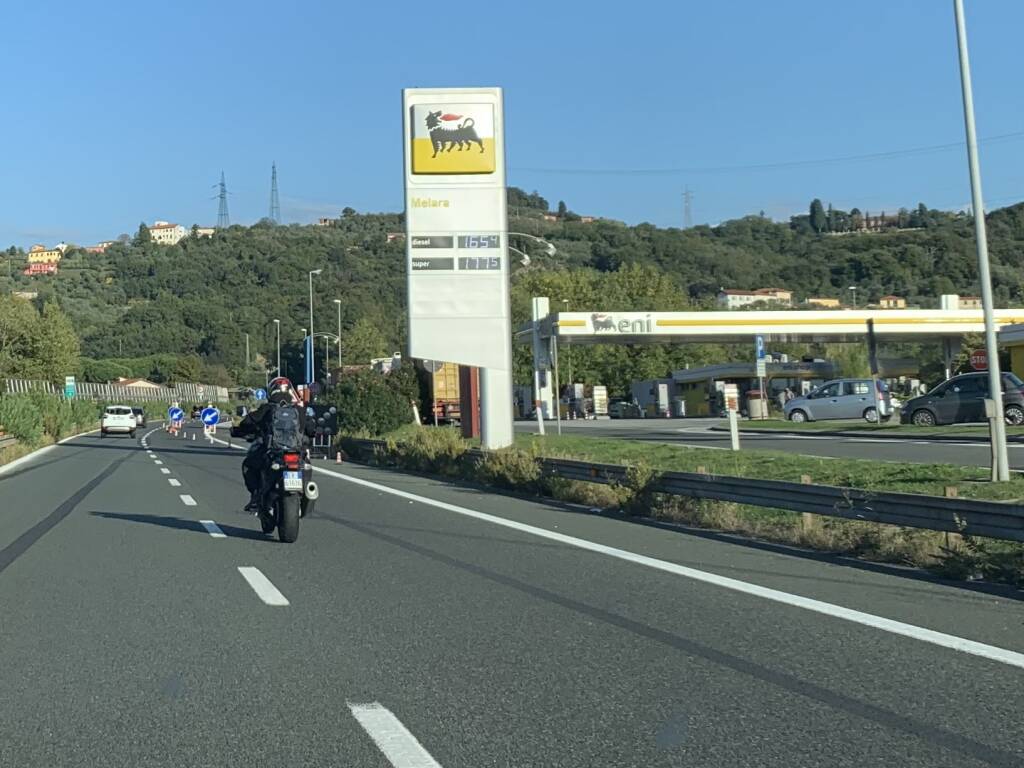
{"points": [[696, 433], [421, 624]]}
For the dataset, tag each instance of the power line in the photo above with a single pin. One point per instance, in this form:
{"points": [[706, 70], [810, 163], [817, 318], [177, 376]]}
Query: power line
{"points": [[892, 154]]}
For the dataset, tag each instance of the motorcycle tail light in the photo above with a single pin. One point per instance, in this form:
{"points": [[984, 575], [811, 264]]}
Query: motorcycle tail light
{"points": [[291, 461]]}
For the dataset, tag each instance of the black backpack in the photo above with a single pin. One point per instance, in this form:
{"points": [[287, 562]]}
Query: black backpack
{"points": [[285, 428]]}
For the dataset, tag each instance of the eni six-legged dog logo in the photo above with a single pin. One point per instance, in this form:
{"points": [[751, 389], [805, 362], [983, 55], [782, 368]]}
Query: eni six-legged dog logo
{"points": [[453, 138]]}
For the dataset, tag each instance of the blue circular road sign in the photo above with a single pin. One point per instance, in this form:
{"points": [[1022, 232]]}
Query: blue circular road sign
{"points": [[175, 414], [210, 416], [261, 394]]}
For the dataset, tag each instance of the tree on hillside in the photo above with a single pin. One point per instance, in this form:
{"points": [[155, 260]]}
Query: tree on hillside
{"points": [[348, 212], [562, 208], [362, 342], [17, 320], [57, 346], [142, 237], [188, 369], [819, 222]]}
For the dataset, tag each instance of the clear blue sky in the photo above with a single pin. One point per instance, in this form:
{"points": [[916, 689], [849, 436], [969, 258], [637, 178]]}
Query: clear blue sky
{"points": [[120, 112]]}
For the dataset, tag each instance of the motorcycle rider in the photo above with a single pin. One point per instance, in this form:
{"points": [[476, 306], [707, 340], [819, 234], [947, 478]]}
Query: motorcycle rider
{"points": [[258, 424]]}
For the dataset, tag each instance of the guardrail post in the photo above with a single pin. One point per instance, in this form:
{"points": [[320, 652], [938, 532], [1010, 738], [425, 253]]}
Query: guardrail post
{"points": [[807, 520]]}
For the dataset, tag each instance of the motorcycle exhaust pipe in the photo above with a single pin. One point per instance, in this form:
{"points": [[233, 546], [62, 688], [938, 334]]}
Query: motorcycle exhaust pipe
{"points": [[312, 491]]}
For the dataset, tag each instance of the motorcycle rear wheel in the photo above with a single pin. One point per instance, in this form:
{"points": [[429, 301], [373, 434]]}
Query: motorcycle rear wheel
{"points": [[288, 517]]}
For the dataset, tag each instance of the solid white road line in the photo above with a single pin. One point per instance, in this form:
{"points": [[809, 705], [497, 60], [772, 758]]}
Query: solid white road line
{"points": [[213, 529], [952, 642], [399, 746], [187, 500], [165, 470], [173, 482], [262, 586], [40, 451]]}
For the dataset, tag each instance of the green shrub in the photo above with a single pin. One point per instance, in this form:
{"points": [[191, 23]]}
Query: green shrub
{"points": [[510, 468], [439, 450], [56, 414], [372, 402], [20, 418]]}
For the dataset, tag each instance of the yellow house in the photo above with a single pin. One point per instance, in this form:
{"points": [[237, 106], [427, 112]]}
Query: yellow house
{"points": [[823, 301], [40, 254], [892, 302]]}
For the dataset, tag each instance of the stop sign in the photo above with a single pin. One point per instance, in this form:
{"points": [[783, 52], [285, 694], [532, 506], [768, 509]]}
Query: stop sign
{"points": [[979, 360]]}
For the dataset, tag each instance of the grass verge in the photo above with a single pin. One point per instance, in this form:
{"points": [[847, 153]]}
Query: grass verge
{"points": [[860, 426], [443, 452]]}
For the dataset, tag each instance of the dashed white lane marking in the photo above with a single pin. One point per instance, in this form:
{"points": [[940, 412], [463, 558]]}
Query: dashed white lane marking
{"points": [[400, 747], [165, 470], [157, 462], [213, 529], [262, 586], [187, 500], [952, 642], [173, 482]]}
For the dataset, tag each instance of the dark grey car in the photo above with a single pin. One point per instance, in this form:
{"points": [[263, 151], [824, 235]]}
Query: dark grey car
{"points": [[961, 400]]}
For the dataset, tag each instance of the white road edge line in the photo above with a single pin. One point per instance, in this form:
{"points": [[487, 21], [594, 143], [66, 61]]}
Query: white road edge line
{"points": [[213, 529], [941, 639], [165, 470], [262, 586], [40, 451], [174, 482], [399, 746], [187, 500]]}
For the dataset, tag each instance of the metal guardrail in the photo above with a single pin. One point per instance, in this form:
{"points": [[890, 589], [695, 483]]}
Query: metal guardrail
{"points": [[994, 519]]}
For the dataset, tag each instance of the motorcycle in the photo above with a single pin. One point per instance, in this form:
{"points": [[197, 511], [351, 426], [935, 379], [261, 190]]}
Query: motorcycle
{"points": [[288, 494]]}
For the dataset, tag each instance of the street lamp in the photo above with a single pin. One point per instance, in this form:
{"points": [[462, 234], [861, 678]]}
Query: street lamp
{"points": [[551, 250], [337, 302], [312, 355], [277, 323], [1000, 461], [853, 290]]}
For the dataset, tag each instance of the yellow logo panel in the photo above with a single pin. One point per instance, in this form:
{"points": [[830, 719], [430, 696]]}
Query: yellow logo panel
{"points": [[452, 139]]}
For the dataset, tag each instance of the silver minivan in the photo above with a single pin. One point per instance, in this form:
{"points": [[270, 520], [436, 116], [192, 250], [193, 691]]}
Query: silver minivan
{"points": [[840, 399]]}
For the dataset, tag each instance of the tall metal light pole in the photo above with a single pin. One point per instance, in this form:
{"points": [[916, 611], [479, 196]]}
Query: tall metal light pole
{"points": [[277, 324], [337, 303], [312, 355], [304, 351], [853, 290], [568, 346], [1000, 461], [247, 350]]}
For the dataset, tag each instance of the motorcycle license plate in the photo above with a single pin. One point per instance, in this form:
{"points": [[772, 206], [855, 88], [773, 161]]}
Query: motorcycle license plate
{"points": [[293, 481]]}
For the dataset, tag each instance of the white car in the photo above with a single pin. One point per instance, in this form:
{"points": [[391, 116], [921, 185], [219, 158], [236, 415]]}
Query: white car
{"points": [[118, 419]]}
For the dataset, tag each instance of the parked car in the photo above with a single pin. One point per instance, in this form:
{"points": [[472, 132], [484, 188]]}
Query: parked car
{"points": [[118, 419], [841, 399], [197, 411], [140, 417], [961, 399], [624, 409]]}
